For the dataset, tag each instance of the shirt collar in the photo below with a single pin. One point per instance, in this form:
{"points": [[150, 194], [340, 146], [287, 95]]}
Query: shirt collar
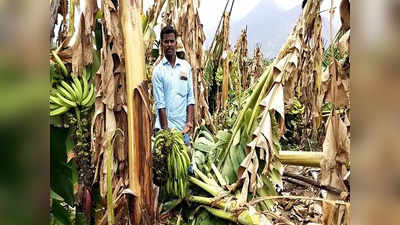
{"points": [[165, 61]]}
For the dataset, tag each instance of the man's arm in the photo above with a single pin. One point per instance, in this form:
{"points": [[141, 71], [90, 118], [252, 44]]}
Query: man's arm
{"points": [[190, 108], [158, 91], [189, 119], [163, 118]]}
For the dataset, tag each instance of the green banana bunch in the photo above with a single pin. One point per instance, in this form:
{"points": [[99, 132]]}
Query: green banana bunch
{"points": [[172, 145], [67, 96], [161, 149], [178, 165]]}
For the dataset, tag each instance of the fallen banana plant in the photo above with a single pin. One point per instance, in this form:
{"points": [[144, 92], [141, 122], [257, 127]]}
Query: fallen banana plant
{"points": [[224, 204]]}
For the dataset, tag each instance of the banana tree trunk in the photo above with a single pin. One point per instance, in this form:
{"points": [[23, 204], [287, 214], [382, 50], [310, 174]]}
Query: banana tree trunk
{"points": [[312, 159], [139, 127], [225, 82]]}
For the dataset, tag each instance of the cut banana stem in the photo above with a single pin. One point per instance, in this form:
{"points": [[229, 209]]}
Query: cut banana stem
{"points": [[222, 214], [204, 177], [212, 179], [221, 180], [213, 190], [206, 201]]}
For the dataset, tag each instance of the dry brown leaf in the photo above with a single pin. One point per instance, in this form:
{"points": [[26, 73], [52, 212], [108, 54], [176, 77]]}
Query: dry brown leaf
{"points": [[70, 156], [241, 53], [274, 100], [345, 14], [342, 85], [256, 66], [247, 173], [81, 43], [344, 44]]}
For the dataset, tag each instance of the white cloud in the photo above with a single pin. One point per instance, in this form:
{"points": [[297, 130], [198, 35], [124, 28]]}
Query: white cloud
{"points": [[326, 5], [242, 8], [287, 4], [211, 10]]}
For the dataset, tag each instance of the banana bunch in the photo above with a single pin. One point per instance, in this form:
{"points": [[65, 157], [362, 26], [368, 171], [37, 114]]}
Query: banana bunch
{"points": [[160, 153], [178, 166], [67, 96], [171, 143]]}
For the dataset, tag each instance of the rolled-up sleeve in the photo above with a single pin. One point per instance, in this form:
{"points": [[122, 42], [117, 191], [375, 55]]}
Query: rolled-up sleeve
{"points": [[190, 96], [158, 90]]}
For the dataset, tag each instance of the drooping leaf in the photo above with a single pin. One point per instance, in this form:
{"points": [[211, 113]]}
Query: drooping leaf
{"points": [[55, 196], [204, 145], [60, 172]]}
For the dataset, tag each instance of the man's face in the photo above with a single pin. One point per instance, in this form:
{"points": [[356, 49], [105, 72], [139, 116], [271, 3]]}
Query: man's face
{"points": [[169, 44]]}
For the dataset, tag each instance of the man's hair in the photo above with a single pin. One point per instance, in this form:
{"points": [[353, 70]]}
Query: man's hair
{"points": [[167, 30]]}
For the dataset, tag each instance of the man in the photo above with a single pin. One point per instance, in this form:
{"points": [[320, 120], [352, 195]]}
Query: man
{"points": [[173, 88]]}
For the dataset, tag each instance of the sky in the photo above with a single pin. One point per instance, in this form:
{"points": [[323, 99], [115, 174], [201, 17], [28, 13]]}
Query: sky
{"points": [[211, 11], [214, 7]]}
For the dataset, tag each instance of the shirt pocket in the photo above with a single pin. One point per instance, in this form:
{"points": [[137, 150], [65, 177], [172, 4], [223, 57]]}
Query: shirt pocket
{"points": [[182, 87]]}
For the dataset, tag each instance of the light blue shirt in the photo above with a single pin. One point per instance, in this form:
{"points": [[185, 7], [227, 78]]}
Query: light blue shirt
{"points": [[172, 92]]}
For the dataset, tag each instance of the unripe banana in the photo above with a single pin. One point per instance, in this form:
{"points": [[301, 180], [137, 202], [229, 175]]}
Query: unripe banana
{"points": [[65, 93], [67, 102], [168, 186], [174, 163], [179, 166], [182, 188], [53, 106], [159, 140], [184, 163], [85, 86], [69, 88], [186, 158], [56, 100], [176, 191], [92, 100], [169, 165], [89, 96], [77, 93], [78, 88], [59, 111]]}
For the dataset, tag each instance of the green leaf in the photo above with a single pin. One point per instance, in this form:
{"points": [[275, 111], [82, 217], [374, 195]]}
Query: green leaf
{"points": [[199, 159], [276, 178], [207, 134], [98, 35], [81, 219], [60, 172], [205, 218], [92, 68], [168, 206], [267, 190], [204, 145], [55, 196], [223, 139], [99, 14], [61, 215]]}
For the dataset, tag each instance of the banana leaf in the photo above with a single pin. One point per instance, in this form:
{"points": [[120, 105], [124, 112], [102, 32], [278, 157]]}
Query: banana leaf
{"points": [[61, 174], [205, 218]]}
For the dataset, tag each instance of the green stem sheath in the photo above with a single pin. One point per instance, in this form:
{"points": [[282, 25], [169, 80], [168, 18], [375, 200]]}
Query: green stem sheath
{"points": [[60, 63], [209, 188]]}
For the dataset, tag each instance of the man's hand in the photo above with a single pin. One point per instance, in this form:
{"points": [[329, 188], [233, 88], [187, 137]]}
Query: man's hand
{"points": [[189, 124], [163, 118], [188, 128]]}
